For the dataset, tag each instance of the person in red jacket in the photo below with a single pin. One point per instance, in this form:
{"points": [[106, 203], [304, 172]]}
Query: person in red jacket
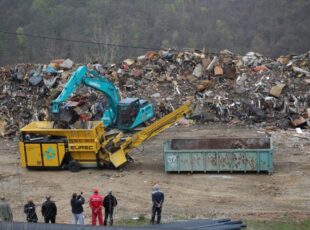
{"points": [[96, 203]]}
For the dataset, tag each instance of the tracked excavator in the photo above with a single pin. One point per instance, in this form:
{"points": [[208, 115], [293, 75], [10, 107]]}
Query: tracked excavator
{"points": [[42, 145], [124, 114]]}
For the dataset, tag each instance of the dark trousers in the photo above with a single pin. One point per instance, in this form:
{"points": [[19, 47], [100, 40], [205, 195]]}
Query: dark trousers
{"points": [[108, 213], [32, 218], [156, 210], [32, 221], [49, 219]]}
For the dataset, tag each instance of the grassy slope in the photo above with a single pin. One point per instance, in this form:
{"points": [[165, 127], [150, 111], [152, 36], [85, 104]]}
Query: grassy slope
{"points": [[277, 225]]}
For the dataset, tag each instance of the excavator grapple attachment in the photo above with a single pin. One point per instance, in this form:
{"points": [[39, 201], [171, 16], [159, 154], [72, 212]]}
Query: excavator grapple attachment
{"points": [[65, 115]]}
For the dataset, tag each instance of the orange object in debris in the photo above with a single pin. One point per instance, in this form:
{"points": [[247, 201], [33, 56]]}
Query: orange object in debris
{"points": [[260, 68], [56, 63], [150, 54]]}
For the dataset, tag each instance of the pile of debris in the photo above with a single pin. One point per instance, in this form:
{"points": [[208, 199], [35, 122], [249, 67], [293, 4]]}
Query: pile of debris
{"points": [[226, 87]]}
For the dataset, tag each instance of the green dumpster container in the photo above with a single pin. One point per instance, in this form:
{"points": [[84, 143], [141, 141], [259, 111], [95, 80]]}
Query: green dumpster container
{"points": [[219, 155]]}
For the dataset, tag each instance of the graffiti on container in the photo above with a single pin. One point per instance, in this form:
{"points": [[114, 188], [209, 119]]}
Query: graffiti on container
{"points": [[172, 160]]}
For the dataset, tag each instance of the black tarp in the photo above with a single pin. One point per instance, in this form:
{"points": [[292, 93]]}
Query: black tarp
{"points": [[223, 224]]}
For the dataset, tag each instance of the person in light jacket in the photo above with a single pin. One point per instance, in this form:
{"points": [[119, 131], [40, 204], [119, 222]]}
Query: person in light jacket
{"points": [[5, 210]]}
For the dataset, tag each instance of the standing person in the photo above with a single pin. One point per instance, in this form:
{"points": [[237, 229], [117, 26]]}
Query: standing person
{"points": [[5, 210], [96, 203], [109, 203], [30, 211], [158, 200], [49, 210], [77, 202]]}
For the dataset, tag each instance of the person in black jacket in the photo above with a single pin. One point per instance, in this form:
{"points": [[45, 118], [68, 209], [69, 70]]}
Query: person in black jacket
{"points": [[49, 210], [109, 202], [77, 202], [158, 200], [30, 211]]}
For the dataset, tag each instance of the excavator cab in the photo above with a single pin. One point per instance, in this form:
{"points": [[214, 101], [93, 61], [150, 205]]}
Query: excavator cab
{"points": [[132, 112]]}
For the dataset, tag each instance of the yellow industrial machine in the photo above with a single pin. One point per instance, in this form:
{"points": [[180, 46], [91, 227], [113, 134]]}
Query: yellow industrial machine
{"points": [[43, 146]]}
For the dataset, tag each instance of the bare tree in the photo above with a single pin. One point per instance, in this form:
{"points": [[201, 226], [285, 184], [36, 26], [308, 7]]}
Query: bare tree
{"points": [[104, 36]]}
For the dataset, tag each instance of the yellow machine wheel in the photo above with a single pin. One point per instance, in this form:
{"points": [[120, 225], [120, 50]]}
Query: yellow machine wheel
{"points": [[74, 166]]}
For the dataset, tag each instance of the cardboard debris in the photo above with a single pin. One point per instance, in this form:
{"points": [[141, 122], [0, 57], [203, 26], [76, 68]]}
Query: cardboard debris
{"points": [[2, 128], [298, 121], [277, 90], [206, 62], [129, 61], [218, 71], [283, 60], [192, 79], [203, 85]]}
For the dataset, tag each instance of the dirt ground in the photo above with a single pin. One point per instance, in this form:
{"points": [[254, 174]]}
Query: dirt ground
{"points": [[284, 194]]}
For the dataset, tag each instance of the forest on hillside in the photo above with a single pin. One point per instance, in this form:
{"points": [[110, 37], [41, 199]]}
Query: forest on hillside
{"points": [[109, 30]]}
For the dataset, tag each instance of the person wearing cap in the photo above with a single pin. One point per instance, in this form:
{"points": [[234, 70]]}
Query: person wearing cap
{"points": [[77, 202], [49, 210], [30, 211], [158, 200], [5, 210], [96, 203], [109, 203]]}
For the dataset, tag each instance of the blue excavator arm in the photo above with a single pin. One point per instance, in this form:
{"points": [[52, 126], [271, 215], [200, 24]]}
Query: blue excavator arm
{"points": [[90, 78]]}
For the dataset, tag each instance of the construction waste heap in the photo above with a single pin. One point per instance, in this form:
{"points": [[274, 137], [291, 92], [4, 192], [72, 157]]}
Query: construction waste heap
{"points": [[225, 87]]}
